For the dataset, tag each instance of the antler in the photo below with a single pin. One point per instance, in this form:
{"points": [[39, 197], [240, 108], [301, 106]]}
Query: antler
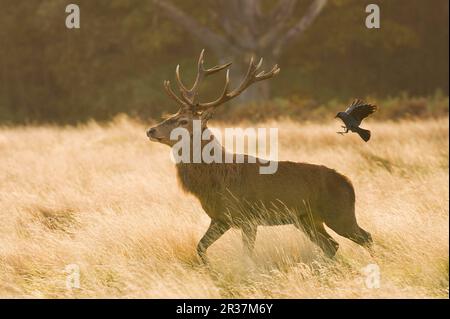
{"points": [[189, 97], [251, 77]]}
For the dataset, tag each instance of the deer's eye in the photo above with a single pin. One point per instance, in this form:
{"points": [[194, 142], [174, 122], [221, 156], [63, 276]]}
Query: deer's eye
{"points": [[183, 122]]}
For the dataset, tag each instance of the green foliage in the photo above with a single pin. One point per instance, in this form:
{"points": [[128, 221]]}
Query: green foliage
{"points": [[124, 50]]}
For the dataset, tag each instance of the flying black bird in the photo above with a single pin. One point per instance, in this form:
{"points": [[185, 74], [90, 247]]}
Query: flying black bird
{"points": [[353, 116]]}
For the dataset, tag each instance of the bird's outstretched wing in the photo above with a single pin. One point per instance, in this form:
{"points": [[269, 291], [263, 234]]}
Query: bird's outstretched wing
{"points": [[360, 110]]}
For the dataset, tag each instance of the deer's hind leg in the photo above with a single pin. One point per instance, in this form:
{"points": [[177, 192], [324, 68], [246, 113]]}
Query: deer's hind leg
{"points": [[344, 223], [215, 231], [353, 232], [318, 235]]}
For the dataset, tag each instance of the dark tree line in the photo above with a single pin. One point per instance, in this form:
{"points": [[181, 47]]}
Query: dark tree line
{"points": [[124, 50]]}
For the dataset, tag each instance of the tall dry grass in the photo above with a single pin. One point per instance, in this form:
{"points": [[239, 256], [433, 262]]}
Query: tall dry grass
{"points": [[105, 198]]}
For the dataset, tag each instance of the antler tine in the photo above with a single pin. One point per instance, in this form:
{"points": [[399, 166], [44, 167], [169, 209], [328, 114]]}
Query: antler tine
{"points": [[265, 75], [172, 95], [250, 78], [200, 74], [259, 64], [223, 97], [177, 76], [217, 68], [189, 96], [186, 95], [212, 70]]}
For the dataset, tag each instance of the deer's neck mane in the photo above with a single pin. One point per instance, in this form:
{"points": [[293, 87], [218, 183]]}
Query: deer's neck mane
{"points": [[198, 146], [203, 177]]}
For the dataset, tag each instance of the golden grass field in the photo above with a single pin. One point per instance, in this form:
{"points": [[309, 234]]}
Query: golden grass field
{"points": [[105, 198]]}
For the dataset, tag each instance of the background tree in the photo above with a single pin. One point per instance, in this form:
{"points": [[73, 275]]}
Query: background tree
{"points": [[246, 30], [124, 50]]}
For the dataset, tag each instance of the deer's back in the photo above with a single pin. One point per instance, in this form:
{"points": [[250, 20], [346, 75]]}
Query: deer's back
{"points": [[239, 192]]}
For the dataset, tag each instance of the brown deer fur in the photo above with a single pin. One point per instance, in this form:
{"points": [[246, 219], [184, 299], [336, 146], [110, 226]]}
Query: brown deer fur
{"points": [[237, 195]]}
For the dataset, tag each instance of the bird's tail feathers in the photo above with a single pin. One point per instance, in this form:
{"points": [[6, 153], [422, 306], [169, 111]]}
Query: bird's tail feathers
{"points": [[365, 134]]}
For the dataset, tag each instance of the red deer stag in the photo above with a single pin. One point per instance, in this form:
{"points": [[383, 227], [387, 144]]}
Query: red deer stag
{"points": [[237, 195]]}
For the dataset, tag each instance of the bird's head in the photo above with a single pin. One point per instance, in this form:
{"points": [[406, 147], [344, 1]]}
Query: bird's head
{"points": [[339, 115]]}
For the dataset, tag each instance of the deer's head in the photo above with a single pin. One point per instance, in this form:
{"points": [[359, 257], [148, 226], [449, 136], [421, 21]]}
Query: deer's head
{"points": [[190, 107]]}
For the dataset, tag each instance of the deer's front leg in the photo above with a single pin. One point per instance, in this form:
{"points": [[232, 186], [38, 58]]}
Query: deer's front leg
{"points": [[249, 237], [215, 231]]}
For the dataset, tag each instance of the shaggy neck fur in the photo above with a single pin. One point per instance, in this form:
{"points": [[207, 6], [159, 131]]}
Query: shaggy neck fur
{"points": [[204, 178]]}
